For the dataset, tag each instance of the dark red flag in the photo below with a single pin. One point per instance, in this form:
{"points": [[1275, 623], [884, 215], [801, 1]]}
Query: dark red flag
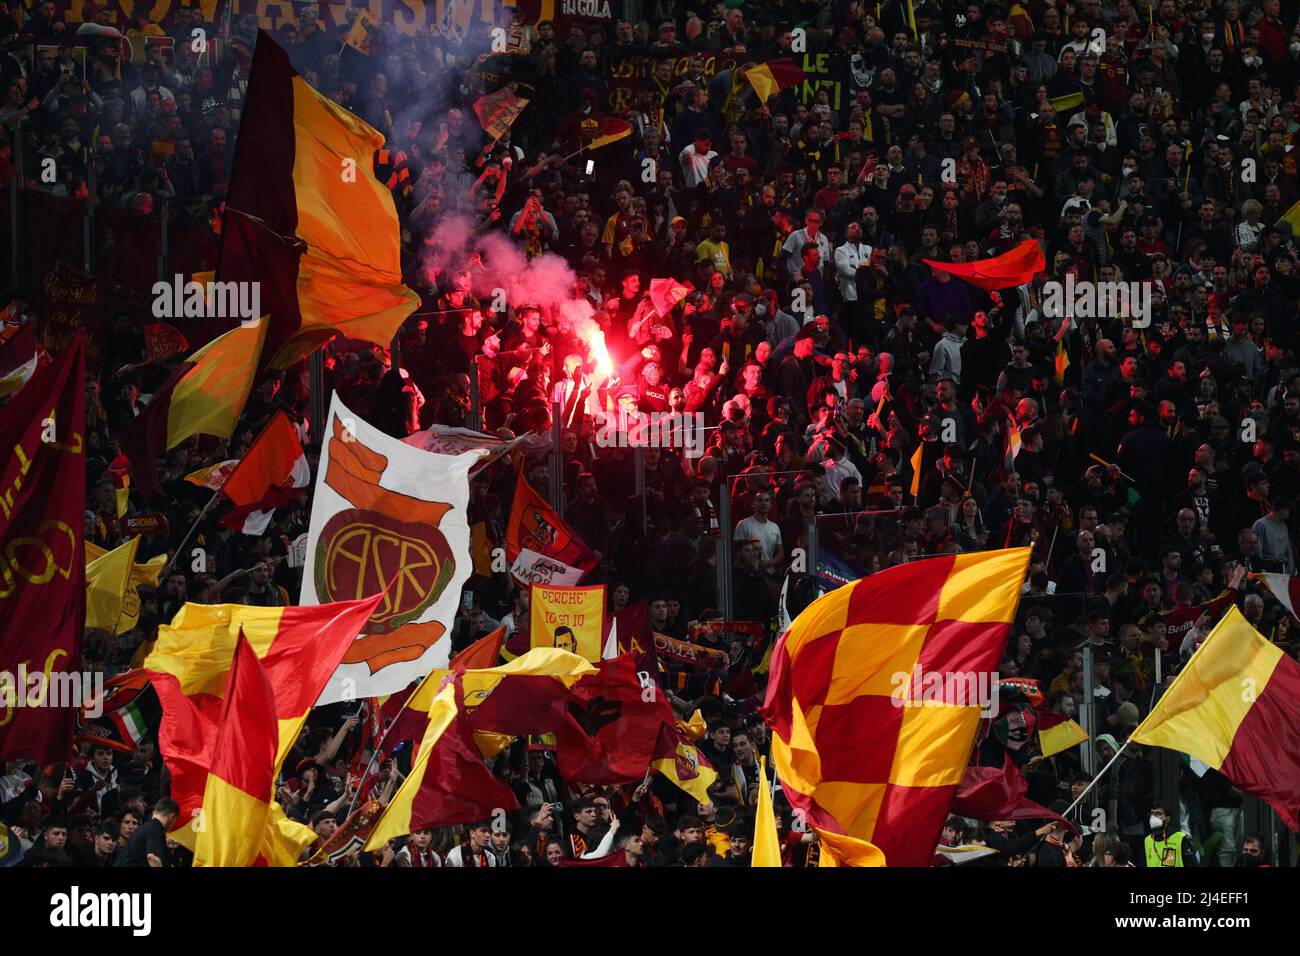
{"points": [[42, 554], [998, 793], [635, 636], [458, 787], [613, 858], [612, 725]]}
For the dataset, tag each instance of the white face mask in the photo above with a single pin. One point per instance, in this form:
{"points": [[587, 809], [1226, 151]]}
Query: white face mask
{"points": [[1157, 823]]}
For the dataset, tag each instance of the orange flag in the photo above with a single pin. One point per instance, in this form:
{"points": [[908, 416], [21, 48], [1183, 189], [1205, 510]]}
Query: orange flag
{"points": [[1013, 268], [482, 653]]}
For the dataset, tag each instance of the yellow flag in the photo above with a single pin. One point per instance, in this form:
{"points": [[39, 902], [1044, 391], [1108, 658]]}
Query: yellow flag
{"points": [[147, 573], [1061, 361], [1292, 216], [695, 728], [1067, 102], [1058, 736], [916, 468], [681, 762], [1203, 711], [209, 397], [359, 36], [107, 578], [767, 846], [568, 618]]}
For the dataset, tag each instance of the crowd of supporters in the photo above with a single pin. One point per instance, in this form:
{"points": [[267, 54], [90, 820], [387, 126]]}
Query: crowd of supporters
{"points": [[1154, 465]]}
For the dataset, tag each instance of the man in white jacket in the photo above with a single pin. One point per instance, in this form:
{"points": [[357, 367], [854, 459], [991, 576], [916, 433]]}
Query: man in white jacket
{"points": [[849, 258]]}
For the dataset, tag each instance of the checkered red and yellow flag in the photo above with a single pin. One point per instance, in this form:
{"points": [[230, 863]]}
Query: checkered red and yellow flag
{"points": [[867, 765]]}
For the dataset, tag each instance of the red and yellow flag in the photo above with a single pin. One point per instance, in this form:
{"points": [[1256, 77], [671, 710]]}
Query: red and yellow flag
{"points": [[162, 341], [611, 131], [448, 782], [241, 781], [483, 653], [1060, 361], [1056, 733], [307, 218], [1236, 707], [203, 397], [682, 762], [871, 768], [189, 666], [213, 476], [773, 77], [918, 457], [270, 462], [535, 530]]}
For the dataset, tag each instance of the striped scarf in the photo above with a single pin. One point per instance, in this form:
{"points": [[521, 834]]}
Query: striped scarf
{"points": [[1233, 36]]}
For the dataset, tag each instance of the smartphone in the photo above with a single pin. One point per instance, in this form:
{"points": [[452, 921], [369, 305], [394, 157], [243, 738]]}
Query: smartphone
{"points": [[467, 600]]}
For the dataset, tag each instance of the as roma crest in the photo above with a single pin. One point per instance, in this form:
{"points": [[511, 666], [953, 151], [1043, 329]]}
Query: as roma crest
{"points": [[387, 542], [687, 763]]}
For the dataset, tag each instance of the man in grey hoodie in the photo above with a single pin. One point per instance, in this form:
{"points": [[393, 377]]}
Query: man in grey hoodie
{"points": [[946, 359], [1274, 537]]}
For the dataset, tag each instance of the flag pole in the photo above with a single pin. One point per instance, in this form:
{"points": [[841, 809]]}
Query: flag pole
{"points": [[1092, 783], [1103, 461], [194, 527], [571, 155]]}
